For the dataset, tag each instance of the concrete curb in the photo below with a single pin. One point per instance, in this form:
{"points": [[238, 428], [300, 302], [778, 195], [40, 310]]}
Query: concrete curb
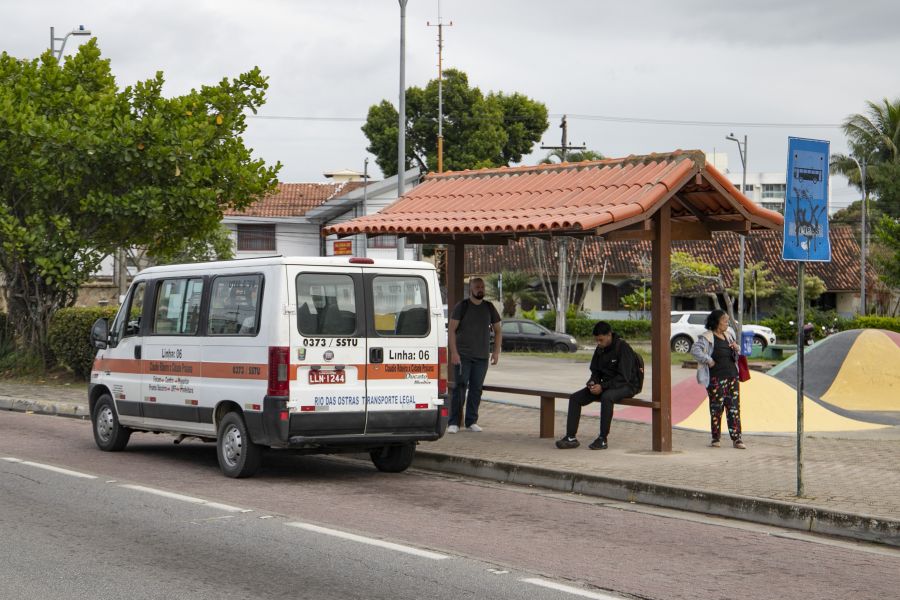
{"points": [[745, 508], [44, 407]]}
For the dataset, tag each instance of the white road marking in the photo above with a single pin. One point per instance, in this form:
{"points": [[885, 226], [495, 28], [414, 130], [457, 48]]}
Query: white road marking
{"points": [[371, 541], [569, 589], [182, 498], [50, 468], [497, 572]]}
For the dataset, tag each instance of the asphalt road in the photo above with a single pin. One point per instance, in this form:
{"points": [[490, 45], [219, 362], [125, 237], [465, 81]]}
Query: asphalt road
{"points": [[316, 527]]}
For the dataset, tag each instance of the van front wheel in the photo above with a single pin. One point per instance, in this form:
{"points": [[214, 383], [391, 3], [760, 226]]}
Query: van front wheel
{"points": [[238, 455], [108, 433], [393, 459]]}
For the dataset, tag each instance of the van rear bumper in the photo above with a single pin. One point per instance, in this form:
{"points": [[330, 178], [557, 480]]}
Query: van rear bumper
{"points": [[341, 431]]}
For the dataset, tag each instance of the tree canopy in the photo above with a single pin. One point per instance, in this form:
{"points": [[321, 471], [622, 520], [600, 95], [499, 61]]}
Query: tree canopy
{"points": [[874, 137], [480, 130], [86, 168]]}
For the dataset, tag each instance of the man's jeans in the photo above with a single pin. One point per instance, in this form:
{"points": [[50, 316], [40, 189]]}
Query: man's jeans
{"points": [[470, 373]]}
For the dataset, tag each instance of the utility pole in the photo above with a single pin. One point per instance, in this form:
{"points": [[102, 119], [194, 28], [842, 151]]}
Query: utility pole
{"points": [[440, 139], [401, 133], [742, 150], [562, 295]]}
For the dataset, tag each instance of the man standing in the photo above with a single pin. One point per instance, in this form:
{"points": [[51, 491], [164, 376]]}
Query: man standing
{"points": [[470, 345], [612, 379]]}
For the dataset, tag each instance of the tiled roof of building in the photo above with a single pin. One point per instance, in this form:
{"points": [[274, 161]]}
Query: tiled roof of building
{"points": [[585, 197], [624, 258], [295, 199]]}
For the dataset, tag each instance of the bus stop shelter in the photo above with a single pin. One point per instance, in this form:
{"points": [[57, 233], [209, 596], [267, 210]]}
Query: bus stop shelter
{"points": [[657, 197]]}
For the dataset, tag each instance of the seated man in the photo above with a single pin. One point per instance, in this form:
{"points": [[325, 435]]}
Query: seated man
{"points": [[612, 368]]}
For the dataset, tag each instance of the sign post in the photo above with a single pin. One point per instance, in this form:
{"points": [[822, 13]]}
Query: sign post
{"points": [[805, 240]]}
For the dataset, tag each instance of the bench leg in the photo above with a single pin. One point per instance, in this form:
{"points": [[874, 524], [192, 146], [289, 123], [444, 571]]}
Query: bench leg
{"points": [[548, 408]]}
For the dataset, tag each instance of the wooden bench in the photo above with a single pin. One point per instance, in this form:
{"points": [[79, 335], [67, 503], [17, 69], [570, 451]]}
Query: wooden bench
{"points": [[548, 403]]}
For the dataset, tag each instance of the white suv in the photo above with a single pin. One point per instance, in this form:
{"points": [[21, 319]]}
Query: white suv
{"points": [[687, 326]]}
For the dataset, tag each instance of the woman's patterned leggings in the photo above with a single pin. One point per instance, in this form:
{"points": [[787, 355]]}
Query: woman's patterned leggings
{"points": [[725, 393]]}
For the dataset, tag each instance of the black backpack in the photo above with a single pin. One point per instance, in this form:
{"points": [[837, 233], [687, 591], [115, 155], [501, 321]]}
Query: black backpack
{"points": [[636, 379]]}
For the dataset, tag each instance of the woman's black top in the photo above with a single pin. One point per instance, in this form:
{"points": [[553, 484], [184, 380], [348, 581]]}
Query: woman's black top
{"points": [[724, 359]]}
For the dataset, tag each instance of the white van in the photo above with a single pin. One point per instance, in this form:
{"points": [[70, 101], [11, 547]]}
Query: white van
{"points": [[318, 355]]}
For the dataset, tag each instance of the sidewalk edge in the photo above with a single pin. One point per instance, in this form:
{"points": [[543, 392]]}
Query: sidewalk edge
{"points": [[756, 510], [43, 407]]}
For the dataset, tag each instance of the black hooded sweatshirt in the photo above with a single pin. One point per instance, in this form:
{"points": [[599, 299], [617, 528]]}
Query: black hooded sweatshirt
{"points": [[611, 367]]}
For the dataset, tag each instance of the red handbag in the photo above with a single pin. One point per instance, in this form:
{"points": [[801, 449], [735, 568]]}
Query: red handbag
{"points": [[743, 368]]}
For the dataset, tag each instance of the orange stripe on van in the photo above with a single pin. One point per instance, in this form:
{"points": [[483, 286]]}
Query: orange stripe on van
{"points": [[118, 365]]}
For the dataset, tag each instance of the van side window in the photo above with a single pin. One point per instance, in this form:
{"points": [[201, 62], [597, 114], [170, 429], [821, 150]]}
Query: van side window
{"points": [[177, 307], [128, 319], [234, 305], [401, 305], [326, 304]]}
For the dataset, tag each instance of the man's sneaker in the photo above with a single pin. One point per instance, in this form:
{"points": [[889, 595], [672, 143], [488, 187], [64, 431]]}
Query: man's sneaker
{"points": [[599, 444], [567, 442], [474, 427], [453, 429]]}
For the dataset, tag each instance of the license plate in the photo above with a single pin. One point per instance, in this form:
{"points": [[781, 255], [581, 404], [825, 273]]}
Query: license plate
{"points": [[327, 377]]}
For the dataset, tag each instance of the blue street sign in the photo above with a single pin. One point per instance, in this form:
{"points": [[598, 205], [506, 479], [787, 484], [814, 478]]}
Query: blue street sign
{"points": [[806, 202]]}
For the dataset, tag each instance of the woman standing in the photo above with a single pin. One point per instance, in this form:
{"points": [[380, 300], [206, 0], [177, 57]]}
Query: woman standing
{"points": [[716, 352]]}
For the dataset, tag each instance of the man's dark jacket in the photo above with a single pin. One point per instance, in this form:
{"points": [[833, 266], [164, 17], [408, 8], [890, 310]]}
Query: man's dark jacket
{"points": [[611, 367]]}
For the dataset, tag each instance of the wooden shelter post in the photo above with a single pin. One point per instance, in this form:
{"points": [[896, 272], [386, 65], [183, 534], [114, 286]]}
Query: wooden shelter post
{"points": [[661, 327], [456, 267]]}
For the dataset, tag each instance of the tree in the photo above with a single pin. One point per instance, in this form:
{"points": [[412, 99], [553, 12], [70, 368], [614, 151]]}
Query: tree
{"points": [[875, 137], [887, 232], [758, 283], [692, 277], [86, 168], [479, 130], [555, 156], [516, 288]]}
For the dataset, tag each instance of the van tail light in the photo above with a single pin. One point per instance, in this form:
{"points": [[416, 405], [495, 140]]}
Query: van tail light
{"points": [[279, 368], [442, 371]]}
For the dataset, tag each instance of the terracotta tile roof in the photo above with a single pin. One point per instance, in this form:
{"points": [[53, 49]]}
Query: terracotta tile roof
{"points": [[623, 257], [294, 199], [573, 198]]}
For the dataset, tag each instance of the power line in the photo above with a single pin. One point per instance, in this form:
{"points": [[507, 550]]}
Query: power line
{"points": [[606, 118]]}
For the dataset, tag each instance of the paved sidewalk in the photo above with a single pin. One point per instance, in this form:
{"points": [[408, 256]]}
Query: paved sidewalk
{"points": [[852, 485]]}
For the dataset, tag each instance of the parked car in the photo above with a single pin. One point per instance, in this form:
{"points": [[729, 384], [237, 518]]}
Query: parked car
{"points": [[522, 334], [687, 326]]}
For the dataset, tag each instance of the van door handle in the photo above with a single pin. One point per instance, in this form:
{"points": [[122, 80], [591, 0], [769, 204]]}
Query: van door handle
{"points": [[376, 355], [137, 351]]}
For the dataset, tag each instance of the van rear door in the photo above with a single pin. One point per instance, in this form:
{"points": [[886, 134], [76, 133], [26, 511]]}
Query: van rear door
{"points": [[328, 348], [402, 370]]}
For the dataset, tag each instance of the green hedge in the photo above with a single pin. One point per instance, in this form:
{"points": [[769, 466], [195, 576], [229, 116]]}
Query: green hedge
{"points": [[784, 331], [70, 333], [889, 323], [582, 327]]}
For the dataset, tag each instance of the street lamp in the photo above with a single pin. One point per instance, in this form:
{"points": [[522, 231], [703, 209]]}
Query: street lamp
{"points": [[862, 260], [742, 150], [53, 39]]}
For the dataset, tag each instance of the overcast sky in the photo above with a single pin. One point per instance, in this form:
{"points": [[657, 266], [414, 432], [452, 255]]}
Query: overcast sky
{"points": [[608, 65]]}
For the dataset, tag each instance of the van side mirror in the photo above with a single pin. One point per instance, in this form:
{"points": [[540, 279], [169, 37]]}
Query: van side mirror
{"points": [[100, 334]]}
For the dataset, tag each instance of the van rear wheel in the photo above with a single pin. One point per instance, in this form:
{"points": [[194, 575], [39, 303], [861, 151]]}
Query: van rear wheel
{"points": [[109, 435], [238, 455], [393, 459]]}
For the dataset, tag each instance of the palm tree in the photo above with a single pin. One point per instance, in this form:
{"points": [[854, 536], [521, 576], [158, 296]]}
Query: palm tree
{"points": [[516, 287], [874, 137]]}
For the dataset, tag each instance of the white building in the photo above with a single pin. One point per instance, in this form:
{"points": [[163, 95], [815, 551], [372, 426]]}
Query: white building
{"points": [[766, 189]]}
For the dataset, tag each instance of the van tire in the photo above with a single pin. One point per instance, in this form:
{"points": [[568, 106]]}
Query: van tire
{"points": [[109, 435], [238, 455], [393, 459]]}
